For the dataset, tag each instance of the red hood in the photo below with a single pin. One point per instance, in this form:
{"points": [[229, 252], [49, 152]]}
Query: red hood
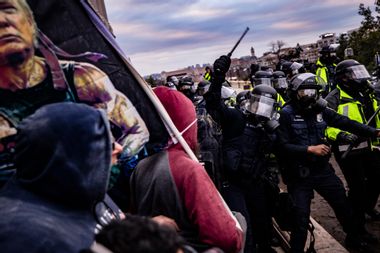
{"points": [[182, 112]]}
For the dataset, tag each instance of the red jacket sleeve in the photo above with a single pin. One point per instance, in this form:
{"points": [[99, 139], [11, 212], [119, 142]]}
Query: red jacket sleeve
{"points": [[204, 205]]}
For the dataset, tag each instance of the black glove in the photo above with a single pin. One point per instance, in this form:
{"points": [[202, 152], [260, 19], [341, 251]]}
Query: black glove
{"points": [[346, 138], [221, 66]]}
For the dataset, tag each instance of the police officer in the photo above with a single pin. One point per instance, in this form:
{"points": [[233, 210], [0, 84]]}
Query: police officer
{"points": [[187, 87], [326, 68], [208, 74], [355, 99], [247, 141], [172, 82], [305, 157], [280, 84], [263, 77]]}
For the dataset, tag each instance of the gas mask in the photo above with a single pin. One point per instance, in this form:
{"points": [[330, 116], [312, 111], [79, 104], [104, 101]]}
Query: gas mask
{"points": [[310, 102], [307, 97]]}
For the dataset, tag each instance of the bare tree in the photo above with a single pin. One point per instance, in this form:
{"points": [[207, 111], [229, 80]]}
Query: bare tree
{"points": [[276, 47]]}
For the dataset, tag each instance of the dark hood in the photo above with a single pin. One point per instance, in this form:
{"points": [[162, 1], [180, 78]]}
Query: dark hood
{"points": [[182, 112], [63, 153]]}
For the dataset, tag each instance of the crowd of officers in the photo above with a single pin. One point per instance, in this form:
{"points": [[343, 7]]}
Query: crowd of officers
{"points": [[288, 125]]}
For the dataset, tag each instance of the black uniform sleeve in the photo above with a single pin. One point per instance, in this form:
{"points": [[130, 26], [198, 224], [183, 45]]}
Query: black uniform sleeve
{"points": [[344, 123], [333, 99], [284, 137], [215, 106]]}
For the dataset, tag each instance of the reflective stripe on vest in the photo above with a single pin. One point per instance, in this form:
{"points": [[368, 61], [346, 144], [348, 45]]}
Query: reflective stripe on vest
{"points": [[362, 145], [354, 110]]}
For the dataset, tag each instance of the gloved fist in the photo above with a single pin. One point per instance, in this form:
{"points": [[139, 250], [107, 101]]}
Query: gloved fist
{"points": [[221, 65], [346, 138]]}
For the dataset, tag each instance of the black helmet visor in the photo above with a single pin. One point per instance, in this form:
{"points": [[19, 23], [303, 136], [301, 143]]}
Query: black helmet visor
{"points": [[266, 81], [261, 106], [357, 72], [307, 93], [280, 83]]}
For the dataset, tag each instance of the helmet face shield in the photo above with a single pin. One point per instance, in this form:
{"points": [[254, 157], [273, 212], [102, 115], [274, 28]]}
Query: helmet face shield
{"points": [[266, 81], [261, 106], [307, 97], [307, 80], [357, 72], [280, 83], [202, 90], [307, 94]]}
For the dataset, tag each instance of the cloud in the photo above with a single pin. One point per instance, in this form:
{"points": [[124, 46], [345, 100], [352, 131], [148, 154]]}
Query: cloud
{"points": [[337, 3], [139, 30], [291, 25], [190, 32]]}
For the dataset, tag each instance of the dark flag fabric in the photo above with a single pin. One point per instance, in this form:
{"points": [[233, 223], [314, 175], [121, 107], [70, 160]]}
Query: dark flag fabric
{"points": [[76, 26]]}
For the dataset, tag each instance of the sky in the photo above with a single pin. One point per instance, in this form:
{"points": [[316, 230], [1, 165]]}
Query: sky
{"points": [[168, 35]]}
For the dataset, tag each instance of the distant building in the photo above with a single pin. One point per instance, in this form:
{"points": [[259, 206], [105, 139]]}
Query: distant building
{"points": [[327, 39]]}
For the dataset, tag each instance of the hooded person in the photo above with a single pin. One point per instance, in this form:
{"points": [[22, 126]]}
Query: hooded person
{"points": [[63, 154], [170, 183]]}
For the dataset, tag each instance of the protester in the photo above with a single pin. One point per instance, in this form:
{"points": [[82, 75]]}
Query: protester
{"points": [[170, 183], [137, 234], [63, 156]]}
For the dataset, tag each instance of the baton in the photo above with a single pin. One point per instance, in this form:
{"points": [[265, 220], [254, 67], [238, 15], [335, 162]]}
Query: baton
{"points": [[238, 42], [368, 122]]}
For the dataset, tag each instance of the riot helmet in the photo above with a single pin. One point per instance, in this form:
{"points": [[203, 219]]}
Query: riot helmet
{"points": [[263, 77], [171, 85], [187, 87], [327, 55], [263, 102], [352, 76], [297, 68], [172, 79], [304, 91], [260, 102], [241, 97], [291, 69], [279, 81], [203, 87]]}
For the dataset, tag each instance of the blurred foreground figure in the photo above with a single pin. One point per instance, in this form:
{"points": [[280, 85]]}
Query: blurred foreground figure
{"points": [[170, 183], [136, 234], [63, 155]]}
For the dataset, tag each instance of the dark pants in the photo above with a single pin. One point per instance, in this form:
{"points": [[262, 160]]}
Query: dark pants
{"points": [[253, 203], [330, 187], [362, 173]]}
